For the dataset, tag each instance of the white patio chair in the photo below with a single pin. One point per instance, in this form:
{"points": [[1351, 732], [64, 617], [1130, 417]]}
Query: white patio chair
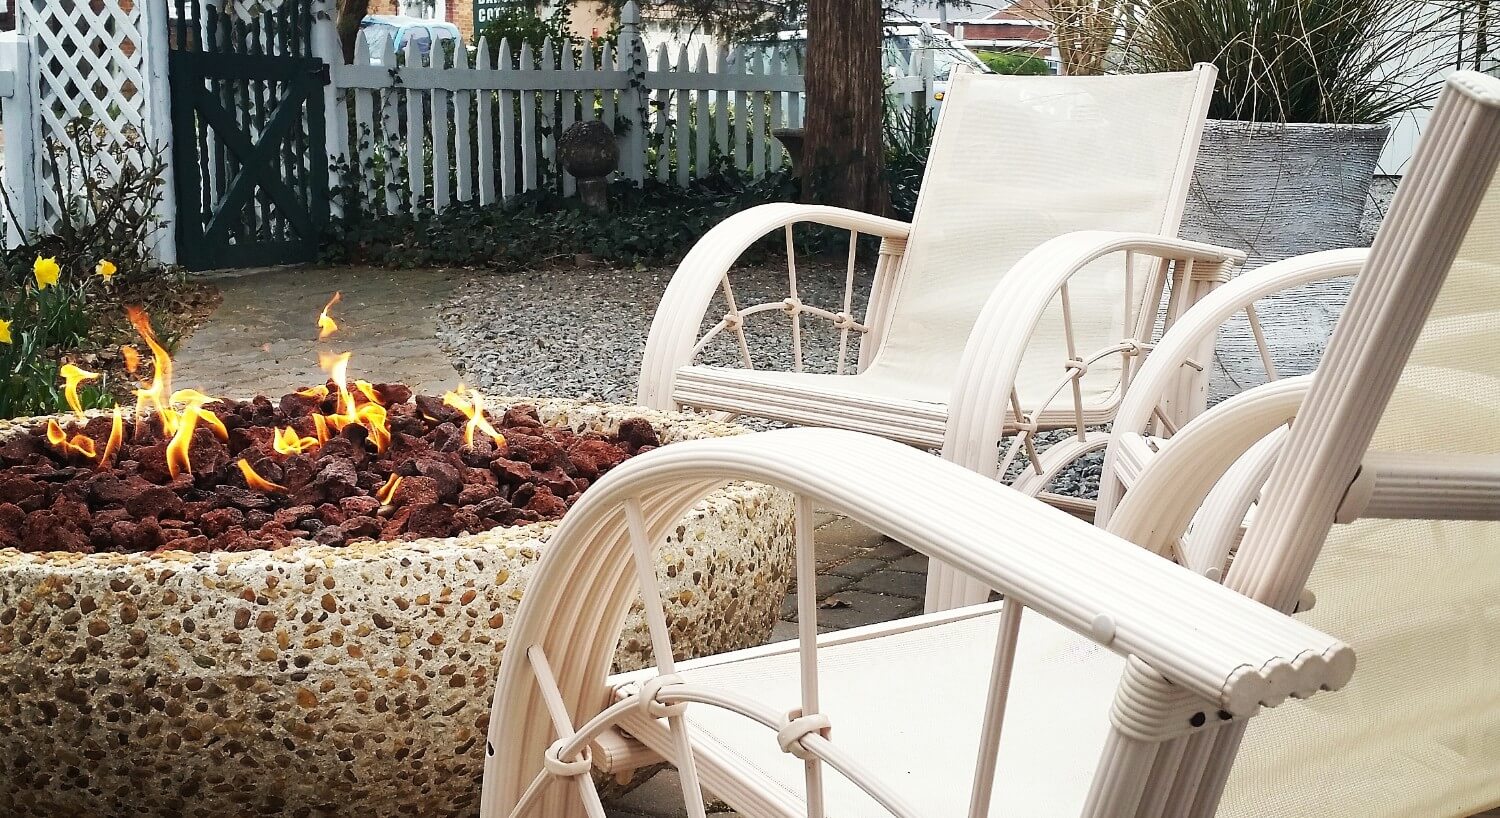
{"points": [[989, 316], [1398, 438]]}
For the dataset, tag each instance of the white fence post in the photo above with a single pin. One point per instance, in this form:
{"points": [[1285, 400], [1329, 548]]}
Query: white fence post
{"points": [[326, 47], [158, 124], [23, 165], [632, 56]]}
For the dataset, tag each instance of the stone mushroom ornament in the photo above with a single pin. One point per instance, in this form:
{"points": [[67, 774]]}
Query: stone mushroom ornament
{"points": [[588, 151]]}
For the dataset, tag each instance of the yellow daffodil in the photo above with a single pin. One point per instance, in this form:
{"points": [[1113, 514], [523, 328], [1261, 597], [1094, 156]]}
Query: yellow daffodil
{"points": [[5, 332], [46, 272], [105, 268]]}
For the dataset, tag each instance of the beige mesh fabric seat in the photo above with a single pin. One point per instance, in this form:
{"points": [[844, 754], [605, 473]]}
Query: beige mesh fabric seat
{"points": [[1024, 291], [1110, 682]]}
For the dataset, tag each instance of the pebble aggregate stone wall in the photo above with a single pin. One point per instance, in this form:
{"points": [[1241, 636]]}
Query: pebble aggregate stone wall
{"points": [[316, 681]]}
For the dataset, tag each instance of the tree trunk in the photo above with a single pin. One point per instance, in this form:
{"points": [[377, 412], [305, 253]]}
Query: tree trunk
{"points": [[351, 12], [844, 154]]}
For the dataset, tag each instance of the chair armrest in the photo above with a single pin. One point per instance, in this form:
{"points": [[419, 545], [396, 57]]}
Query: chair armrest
{"points": [[674, 329], [993, 354], [1202, 636]]}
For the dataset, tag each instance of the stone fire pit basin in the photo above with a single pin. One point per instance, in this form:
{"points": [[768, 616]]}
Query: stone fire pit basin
{"points": [[317, 681]]}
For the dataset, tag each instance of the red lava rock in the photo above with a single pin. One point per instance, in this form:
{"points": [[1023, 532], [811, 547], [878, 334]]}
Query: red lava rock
{"points": [[297, 405], [432, 406], [157, 501], [430, 520], [474, 495], [511, 472], [546, 504], [416, 491], [21, 448], [445, 477], [522, 416], [325, 494], [637, 432], [219, 520], [359, 505], [391, 394], [361, 528], [19, 489]]}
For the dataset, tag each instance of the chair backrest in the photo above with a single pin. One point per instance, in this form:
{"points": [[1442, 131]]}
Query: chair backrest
{"points": [[1020, 160], [1399, 438]]}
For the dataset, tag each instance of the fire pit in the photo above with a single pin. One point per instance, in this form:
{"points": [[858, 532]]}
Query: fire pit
{"points": [[298, 607]]}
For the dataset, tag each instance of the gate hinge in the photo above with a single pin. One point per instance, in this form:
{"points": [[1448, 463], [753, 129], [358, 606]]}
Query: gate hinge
{"points": [[324, 73]]}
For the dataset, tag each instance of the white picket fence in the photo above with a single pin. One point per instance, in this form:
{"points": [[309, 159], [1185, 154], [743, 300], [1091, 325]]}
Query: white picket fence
{"points": [[425, 132]]}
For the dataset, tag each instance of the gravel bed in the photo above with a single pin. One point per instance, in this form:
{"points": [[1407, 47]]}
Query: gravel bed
{"points": [[579, 333]]}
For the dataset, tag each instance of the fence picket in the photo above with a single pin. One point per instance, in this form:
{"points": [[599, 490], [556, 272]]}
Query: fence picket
{"points": [[682, 138], [551, 101], [721, 105], [776, 71], [363, 154], [463, 131], [442, 137], [390, 135], [757, 121], [703, 125], [741, 145], [507, 128], [528, 120], [660, 114], [416, 132], [607, 95], [569, 105], [486, 130]]}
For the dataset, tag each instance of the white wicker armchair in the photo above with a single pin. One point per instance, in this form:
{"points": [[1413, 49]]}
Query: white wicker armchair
{"points": [[1130, 692], [1018, 301]]}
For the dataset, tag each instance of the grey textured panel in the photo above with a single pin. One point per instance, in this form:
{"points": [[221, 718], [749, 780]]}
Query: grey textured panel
{"points": [[1276, 191]]}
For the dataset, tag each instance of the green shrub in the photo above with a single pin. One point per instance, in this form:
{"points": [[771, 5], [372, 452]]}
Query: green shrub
{"points": [[1338, 61], [652, 224], [1006, 62]]}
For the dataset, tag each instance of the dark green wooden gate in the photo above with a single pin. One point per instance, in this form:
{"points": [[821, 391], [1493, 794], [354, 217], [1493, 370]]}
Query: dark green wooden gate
{"points": [[248, 133]]}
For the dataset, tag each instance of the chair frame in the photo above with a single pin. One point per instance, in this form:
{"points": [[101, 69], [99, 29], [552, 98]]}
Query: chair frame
{"points": [[983, 408], [1193, 644]]}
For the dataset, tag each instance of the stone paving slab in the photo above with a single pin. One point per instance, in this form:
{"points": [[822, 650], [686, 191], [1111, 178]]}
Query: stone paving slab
{"points": [[263, 338]]}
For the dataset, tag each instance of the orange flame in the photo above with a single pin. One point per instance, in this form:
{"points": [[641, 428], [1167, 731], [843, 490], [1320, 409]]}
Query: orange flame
{"points": [[161, 379], [78, 444], [370, 415], [473, 409], [320, 424], [326, 326], [320, 392], [367, 389], [72, 377], [132, 358], [386, 493], [287, 441], [255, 481], [116, 436], [373, 417], [182, 441]]}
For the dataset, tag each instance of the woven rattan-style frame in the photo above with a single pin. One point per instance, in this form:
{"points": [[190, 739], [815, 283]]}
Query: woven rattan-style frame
{"points": [[1019, 300], [782, 730]]}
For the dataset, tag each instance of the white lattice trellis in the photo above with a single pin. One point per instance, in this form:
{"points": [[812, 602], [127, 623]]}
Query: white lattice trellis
{"points": [[104, 61]]}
